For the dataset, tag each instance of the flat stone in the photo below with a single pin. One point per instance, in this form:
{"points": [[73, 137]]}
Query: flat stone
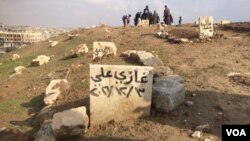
{"points": [[40, 60], [181, 40], [204, 127], [167, 94], [18, 70], [101, 49], [2, 129], [80, 50], [146, 58], [189, 103], [72, 122], [54, 89], [122, 93], [45, 114], [15, 57], [196, 134]]}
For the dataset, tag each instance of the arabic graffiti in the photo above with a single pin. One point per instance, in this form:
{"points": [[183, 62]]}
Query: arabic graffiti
{"points": [[120, 82], [99, 52]]}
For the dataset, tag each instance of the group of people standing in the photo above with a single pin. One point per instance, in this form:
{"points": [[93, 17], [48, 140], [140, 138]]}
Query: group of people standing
{"points": [[147, 14], [150, 15]]}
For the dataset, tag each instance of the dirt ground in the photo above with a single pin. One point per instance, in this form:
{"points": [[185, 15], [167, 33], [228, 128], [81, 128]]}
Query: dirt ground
{"points": [[218, 99]]}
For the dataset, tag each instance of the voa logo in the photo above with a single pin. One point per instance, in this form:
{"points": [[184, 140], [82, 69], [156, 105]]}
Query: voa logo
{"points": [[236, 132]]}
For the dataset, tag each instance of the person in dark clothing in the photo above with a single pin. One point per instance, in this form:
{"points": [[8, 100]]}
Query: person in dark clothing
{"points": [[171, 19], [126, 20], [167, 16], [137, 17], [145, 15], [156, 18], [146, 10], [151, 18], [180, 20]]}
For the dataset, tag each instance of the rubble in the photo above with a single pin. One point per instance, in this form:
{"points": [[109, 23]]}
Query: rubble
{"points": [[54, 89], [204, 127], [15, 57], [146, 58], [80, 50], [74, 125], [196, 134], [18, 70], [40, 60]]}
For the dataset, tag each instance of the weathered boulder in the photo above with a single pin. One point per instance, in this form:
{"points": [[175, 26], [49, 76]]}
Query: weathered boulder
{"points": [[45, 133], [168, 93], [162, 35], [80, 50], [54, 89], [101, 49], [147, 58], [241, 78], [73, 122], [127, 53], [181, 40], [53, 43], [40, 60], [18, 70], [196, 134], [15, 56]]}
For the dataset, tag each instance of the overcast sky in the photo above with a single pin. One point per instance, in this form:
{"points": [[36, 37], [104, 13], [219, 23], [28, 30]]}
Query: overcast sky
{"points": [[83, 13]]}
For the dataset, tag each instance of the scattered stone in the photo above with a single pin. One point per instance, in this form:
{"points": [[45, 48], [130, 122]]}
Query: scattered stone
{"points": [[224, 22], [53, 43], [127, 53], [162, 71], [18, 70], [80, 50], [196, 134], [15, 57], [45, 133], [168, 93], [71, 36], [54, 89], [242, 78], [209, 139], [162, 35], [2, 129], [180, 40], [189, 103], [194, 95], [73, 122], [146, 58], [220, 113], [204, 127], [40, 60], [101, 49], [45, 114]]}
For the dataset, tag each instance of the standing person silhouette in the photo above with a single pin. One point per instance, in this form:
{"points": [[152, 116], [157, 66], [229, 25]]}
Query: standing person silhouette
{"points": [[167, 16]]}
